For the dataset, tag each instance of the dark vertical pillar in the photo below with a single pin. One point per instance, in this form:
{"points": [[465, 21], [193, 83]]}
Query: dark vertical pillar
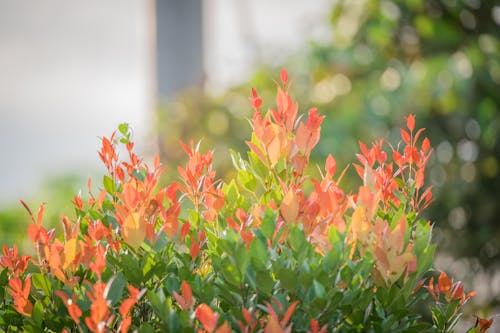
{"points": [[179, 45]]}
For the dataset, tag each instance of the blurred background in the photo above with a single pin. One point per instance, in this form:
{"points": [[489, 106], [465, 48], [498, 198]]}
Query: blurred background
{"points": [[71, 71]]}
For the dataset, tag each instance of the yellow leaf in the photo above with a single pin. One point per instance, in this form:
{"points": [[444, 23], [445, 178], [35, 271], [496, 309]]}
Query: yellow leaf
{"points": [[290, 206], [134, 230], [70, 251], [274, 151]]}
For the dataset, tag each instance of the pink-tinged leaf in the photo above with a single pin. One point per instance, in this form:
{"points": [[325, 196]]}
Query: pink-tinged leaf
{"points": [[253, 147], [283, 76], [331, 165], [254, 93], [410, 122]]}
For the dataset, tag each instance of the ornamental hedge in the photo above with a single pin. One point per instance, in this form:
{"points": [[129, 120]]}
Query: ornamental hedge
{"points": [[281, 247]]}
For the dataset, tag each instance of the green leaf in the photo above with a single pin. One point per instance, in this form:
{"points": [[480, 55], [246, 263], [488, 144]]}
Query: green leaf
{"points": [[268, 224], [4, 277], [146, 328], [288, 278], [173, 322], [130, 269], [230, 191], [159, 305], [230, 272], [139, 174], [247, 180], [116, 289], [109, 184], [437, 318], [147, 267], [37, 313], [41, 281], [265, 282], [123, 128], [297, 239], [258, 255], [319, 290]]}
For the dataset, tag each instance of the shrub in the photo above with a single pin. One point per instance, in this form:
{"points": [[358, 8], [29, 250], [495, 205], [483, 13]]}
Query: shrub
{"points": [[275, 249]]}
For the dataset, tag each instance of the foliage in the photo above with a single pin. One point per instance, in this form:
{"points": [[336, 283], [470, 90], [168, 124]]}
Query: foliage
{"points": [[275, 249], [438, 59]]}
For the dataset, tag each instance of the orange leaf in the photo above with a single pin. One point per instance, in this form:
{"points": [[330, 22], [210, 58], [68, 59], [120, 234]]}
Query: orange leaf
{"points": [[283, 76], [40, 214], [331, 165], [207, 317], [426, 144], [290, 206], [444, 283], [410, 122], [274, 151], [483, 324], [224, 328], [273, 326], [70, 251], [134, 230], [187, 294], [288, 314], [419, 178], [406, 136]]}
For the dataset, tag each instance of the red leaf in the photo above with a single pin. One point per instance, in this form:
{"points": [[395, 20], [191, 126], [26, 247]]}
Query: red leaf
{"points": [[254, 93], [406, 136], [283, 76], [419, 178], [410, 122], [483, 324], [224, 328], [426, 144], [331, 165], [289, 313], [187, 294], [207, 317], [444, 283], [39, 218]]}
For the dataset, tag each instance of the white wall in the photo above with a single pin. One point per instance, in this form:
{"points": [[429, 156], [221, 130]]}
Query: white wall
{"points": [[71, 71]]}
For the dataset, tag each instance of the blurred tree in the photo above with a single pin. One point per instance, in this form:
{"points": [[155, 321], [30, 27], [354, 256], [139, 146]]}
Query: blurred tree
{"points": [[438, 59]]}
